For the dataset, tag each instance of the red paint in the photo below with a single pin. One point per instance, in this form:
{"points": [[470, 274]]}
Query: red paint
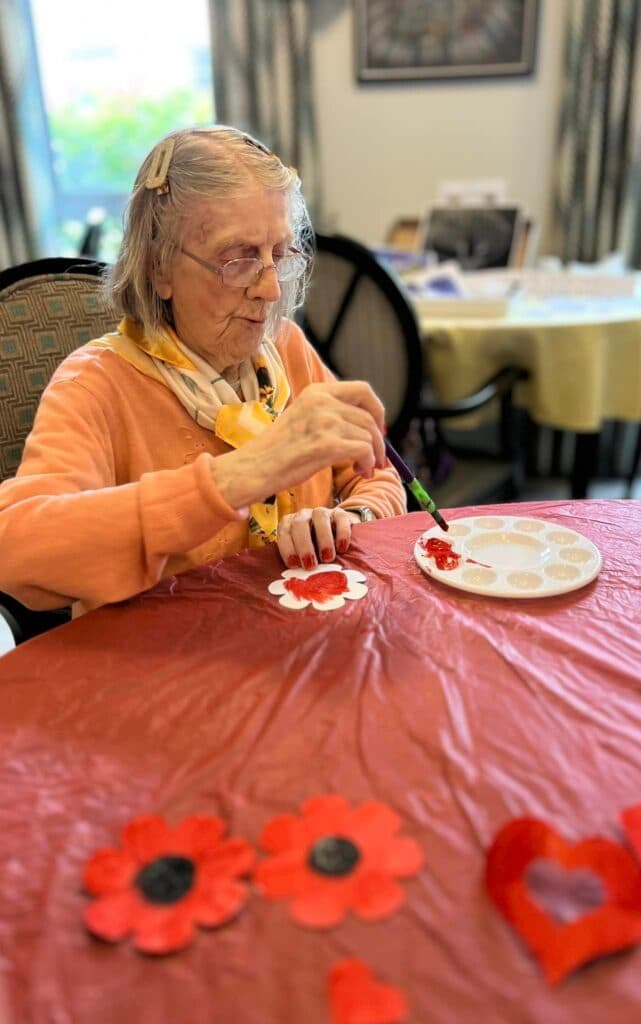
{"points": [[442, 553], [320, 587]]}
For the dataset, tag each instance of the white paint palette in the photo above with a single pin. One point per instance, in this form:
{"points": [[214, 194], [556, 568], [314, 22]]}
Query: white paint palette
{"points": [[508, 556]]}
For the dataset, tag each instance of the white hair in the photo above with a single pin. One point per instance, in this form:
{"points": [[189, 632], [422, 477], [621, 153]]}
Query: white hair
{"points": [[205, 163]]}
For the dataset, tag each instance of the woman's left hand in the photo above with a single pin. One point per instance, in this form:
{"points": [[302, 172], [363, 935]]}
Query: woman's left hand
{"points": [[323, 530]]}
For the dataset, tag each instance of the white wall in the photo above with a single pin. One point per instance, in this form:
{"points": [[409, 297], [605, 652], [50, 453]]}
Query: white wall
{"points": [[384, 148]]}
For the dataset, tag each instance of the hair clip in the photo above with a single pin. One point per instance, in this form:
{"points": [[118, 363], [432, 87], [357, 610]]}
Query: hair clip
{"points": [[258, 145], [157, 177]]}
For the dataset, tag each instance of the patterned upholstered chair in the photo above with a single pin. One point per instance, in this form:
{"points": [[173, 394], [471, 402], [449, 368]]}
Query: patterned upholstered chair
{"points": [[48, 308]]}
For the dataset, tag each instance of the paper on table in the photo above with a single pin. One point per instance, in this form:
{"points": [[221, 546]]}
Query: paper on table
{"points": [[445, 291]]}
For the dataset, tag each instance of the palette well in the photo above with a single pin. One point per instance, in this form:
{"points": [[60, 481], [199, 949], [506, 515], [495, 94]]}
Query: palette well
{"points": [[508, 556]]}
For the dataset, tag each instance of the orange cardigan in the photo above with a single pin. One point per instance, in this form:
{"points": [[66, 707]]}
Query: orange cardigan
{"points": [[114, 491]]}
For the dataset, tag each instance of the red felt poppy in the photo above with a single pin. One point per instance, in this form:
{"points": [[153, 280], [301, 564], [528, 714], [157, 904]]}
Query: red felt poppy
{"points": [[562, 947], [631, 819], [356, 997], [166, 880], [334, 859]]}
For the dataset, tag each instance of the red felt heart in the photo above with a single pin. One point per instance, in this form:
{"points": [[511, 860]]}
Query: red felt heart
{"points": [[631, 819], [357, 998], [560, 948]]}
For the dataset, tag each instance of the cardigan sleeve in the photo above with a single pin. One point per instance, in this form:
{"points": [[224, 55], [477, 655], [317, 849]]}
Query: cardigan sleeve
{"points": [[69, 532]]}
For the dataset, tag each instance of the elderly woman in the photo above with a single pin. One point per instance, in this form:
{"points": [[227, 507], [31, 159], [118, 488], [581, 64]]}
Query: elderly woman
{"points": [[206, 423]]}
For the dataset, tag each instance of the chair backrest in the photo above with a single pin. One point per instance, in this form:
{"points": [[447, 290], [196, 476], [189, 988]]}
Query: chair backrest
{"points": [[359, 321], [48, 308]]}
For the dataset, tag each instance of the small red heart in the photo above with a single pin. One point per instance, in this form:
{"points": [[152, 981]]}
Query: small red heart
{"points": [[560, 948], [356, 997]]}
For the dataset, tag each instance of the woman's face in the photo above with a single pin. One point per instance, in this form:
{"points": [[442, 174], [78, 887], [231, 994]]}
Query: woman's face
{"points": [[225, 325]]}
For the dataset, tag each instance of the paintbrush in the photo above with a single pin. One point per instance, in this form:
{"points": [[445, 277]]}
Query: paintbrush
{"points": [[414, 485]]}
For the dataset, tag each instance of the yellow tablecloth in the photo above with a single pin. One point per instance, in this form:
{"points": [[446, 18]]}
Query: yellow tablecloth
{"points": [[585, 367]]}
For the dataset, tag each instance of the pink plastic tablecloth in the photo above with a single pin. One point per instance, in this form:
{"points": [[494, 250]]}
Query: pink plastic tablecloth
{"points": [[205, 695]]}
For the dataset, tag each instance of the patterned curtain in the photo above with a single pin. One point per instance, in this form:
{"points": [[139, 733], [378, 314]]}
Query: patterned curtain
{"points": [[263, 79], [595, 131], [27, 196]]}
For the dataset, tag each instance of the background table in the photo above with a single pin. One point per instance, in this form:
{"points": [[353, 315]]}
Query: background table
{"points": [[204, 695], [585, 365]]}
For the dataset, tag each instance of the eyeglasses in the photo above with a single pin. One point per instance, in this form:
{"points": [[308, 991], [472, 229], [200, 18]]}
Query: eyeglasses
{"points": [[247, 271]]}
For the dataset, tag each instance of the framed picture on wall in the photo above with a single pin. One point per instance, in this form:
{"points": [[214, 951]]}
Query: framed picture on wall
{"points": [[404, 40]]}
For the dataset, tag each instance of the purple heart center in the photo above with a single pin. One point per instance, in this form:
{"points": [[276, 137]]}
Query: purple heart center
{"points": [[565, 894]]}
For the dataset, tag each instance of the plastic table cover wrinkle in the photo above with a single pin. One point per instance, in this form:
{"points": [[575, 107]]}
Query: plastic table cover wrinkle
{"points": [[205, 695]]}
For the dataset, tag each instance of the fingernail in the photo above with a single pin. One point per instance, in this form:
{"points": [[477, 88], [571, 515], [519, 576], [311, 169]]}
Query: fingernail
{"points": [[342, 546], [293, 562], [327, 554], [309, 561]]}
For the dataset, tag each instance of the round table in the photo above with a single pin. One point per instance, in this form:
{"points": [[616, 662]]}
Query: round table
{"points": [[584, 360], [205, 695]]}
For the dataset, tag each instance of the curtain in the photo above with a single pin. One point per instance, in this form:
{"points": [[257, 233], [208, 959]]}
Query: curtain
{"points": [[262, 58], [27, 194], [595, 129]]}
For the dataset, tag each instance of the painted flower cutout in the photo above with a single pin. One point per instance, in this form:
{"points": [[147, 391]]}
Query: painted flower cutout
{"points": [[335, 858], [356, 997], [165, 880], [327, 587]]}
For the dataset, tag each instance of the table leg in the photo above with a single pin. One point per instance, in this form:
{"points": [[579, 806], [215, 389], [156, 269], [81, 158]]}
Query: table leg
{"points": [[532, 437], [585, 460]]}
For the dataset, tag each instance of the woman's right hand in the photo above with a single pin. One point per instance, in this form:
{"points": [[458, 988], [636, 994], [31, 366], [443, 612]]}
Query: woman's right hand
{"points": [[325, 425]]}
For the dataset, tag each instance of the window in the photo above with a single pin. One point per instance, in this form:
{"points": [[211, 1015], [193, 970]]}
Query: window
{"points": [[114, 81]]}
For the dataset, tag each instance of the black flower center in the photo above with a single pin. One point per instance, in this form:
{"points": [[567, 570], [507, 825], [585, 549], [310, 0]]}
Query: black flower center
{"points": [[333, 855], [166, 880]]}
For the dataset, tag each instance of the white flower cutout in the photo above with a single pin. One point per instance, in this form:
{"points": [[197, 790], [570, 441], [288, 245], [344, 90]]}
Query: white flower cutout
{"points": [[326, 587]]}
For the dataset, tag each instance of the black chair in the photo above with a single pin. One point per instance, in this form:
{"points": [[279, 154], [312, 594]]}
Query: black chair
{"points": [[358, 319], [48, 308], [634, 467], [92, 235]]}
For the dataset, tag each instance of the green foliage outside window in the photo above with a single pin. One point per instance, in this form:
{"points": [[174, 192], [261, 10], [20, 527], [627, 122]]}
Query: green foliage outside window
{"points": [[100, 142]]}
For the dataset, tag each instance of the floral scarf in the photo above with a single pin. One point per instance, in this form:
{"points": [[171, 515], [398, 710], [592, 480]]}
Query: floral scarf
{"points": [[212, 402]]}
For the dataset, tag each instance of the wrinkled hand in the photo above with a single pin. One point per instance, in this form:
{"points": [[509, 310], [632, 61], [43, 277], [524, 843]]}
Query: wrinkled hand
{"points": [[311, 530], [328, 424], [325, 425]]}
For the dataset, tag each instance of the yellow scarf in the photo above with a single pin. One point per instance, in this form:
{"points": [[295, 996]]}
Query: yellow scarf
{"points": [[212, 402]]}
